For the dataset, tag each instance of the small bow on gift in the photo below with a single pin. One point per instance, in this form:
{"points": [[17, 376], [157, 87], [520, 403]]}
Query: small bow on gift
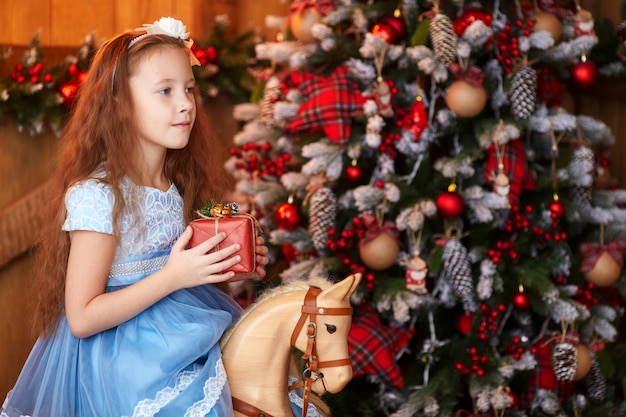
{"points": [[472, 75], [322, 6], [592, 251]]}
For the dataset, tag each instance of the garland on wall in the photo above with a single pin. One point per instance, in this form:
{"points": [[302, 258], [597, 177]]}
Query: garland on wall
{"points": [[38, 97]]}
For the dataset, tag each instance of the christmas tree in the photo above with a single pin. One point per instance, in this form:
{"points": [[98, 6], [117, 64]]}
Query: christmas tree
{"points": [[431, 146]]}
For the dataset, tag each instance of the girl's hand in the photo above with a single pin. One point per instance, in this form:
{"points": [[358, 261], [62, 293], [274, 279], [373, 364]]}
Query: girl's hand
{"points": [[198, 265], [261, 260]]}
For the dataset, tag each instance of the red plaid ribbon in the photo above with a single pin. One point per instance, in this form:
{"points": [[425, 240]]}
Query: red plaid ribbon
{"points": [[373, 347], [542, 377], [472, 75], [514, 160], [373, 228], [549, 87], [324, 6], [592, 251], [330, 103]]}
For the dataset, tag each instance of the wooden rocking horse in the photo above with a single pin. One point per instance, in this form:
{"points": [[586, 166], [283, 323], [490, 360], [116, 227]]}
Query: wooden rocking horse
{"points": [[312, 316]]}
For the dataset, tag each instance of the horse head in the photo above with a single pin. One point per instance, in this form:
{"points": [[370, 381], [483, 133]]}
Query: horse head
{"points": [[322, 334]]}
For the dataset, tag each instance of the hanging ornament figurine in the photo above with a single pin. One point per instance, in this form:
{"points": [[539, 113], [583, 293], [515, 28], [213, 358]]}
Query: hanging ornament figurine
{"points": [[383, 95], [416, 119], [416, 268]]}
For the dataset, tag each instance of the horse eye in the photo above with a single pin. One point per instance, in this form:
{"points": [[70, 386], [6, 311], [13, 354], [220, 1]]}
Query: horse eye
{"points": [[331, 328]]}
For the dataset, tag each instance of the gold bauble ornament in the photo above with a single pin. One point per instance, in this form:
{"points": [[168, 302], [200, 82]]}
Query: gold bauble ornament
{"points": [[380, 252], [466, 99], [583, 362], [548, 22], [605, 272], [302, 22]]}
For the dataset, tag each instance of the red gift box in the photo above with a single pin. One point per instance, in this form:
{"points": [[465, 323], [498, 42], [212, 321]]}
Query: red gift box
{"points": [[238, 228]]}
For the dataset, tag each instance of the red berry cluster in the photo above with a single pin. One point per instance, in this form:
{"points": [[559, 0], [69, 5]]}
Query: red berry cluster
{"points": [[345, 241], [32, 74], [469, 16], [255, 159], [557, 211], [518, 221], [477, 363], [386, 145], [515, 347], [585, 296], [507, 42], [490, 323]]}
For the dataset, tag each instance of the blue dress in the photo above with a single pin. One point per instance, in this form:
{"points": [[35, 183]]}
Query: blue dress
{"points": [[165, 361]]}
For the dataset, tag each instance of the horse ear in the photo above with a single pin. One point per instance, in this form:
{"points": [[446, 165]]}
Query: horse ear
{"points": [[343, 289]]}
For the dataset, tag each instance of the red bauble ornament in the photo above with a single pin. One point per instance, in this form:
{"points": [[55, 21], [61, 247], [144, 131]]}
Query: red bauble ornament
{"points": [[464, 323], [557, 209], [289, 252], [584, 75], [354, 173], [68, 92], [450, 204], [391, 29], [521, 301], [288, 216]]}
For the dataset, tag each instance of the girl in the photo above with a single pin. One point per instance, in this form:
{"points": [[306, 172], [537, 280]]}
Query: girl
{"points": [[130, 321]]}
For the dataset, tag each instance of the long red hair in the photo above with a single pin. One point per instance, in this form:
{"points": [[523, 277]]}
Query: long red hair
{"points": [[102, 128]]}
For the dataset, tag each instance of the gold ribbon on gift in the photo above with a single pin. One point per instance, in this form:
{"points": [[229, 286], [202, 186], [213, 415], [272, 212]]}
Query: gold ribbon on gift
{"points": [[223, 211]]}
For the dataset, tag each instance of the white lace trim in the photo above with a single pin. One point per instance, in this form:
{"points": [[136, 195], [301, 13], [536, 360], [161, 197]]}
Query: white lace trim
{"points": [[212, 391], [295, 397], [213, 387], [149, 407]]}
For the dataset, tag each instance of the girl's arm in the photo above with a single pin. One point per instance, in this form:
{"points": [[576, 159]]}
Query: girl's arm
{"points": [[90, 310]]}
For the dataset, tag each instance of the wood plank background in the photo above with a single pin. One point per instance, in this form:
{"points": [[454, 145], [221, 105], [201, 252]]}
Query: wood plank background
{"points": [[67, 22]]}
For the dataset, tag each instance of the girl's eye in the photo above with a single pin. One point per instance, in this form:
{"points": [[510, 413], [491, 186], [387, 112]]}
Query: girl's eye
{"points": [[165, 91], [189, 90]]}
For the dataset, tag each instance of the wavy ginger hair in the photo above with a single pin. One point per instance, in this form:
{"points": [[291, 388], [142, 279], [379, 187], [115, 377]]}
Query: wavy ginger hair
{"points": [[102, 128]]}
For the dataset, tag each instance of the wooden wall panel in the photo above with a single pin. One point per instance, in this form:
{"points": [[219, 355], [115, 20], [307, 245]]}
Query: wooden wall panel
{"points": [[20, 21]]}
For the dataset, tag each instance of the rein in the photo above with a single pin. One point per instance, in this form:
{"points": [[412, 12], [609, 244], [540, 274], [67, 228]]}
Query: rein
{"points": [[310, 311]]}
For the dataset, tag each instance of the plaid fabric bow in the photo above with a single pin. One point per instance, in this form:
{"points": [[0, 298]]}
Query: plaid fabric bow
{"points": [[330, 103], [472, 75], [592, 251], [514, 159], [549, 87], [373, 228], [323, 6], [542, 377], [373, 347]]}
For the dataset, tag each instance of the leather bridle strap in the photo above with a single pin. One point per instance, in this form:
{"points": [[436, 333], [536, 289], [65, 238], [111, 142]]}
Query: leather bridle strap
{"points": [[310, 310], [248, 409]]}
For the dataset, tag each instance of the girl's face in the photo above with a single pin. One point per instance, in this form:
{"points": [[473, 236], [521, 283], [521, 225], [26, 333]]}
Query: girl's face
{"points": [[162, 93]]}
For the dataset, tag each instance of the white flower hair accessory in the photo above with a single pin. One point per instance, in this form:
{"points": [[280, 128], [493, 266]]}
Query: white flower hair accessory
{"points": [[170, 27]]}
